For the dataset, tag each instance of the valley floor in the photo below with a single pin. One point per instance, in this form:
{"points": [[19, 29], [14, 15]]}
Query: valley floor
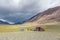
{"points": [[29, 36], [51, 33]]}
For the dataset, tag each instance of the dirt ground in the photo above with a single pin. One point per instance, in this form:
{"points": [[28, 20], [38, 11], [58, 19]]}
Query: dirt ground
{"points": [[30, 36]]}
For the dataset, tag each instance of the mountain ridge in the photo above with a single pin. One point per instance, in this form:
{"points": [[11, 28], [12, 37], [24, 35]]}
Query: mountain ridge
{"points": [[2, 21], [50, 15]]}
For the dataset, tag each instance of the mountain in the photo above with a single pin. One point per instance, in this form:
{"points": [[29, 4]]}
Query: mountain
{"points": [[50, 15], [2, 21]]}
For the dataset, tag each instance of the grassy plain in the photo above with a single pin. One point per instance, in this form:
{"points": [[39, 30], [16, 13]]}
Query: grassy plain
{"points": [[51, 27]]}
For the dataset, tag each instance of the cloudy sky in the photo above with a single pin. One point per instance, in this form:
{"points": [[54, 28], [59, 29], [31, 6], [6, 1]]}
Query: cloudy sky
{"points": [[20, 10]]}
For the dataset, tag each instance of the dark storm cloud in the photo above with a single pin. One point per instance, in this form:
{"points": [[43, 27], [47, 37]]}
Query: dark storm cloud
{"points": [[20, 10]]}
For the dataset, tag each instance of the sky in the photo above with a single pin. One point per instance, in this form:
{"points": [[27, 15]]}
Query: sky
{"points": [[20, 10]]}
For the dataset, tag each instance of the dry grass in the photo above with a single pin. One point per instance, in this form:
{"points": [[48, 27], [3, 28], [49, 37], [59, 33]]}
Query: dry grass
{"points": [[12, 32], [29, 36]]}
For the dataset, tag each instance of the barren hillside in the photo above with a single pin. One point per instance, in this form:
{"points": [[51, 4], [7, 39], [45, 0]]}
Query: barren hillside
{"points": [[50, 15]]}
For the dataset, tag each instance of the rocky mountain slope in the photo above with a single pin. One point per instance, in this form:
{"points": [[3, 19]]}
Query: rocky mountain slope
{"points": [[50, 15]]}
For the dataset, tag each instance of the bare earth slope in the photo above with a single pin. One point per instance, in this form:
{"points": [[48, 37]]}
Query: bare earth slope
{"points": [[50, 15]]}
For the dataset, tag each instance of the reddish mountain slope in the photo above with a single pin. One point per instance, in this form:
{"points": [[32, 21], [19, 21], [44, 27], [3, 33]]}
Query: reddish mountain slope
{"points": [[50, 15]]}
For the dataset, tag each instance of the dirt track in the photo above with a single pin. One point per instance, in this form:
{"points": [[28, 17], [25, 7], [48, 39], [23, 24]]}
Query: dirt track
{"points": [[29, 36]]}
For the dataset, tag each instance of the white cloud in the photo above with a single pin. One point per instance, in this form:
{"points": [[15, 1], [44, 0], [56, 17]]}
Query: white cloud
{"points": [[15, 5], [45, 4]]}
